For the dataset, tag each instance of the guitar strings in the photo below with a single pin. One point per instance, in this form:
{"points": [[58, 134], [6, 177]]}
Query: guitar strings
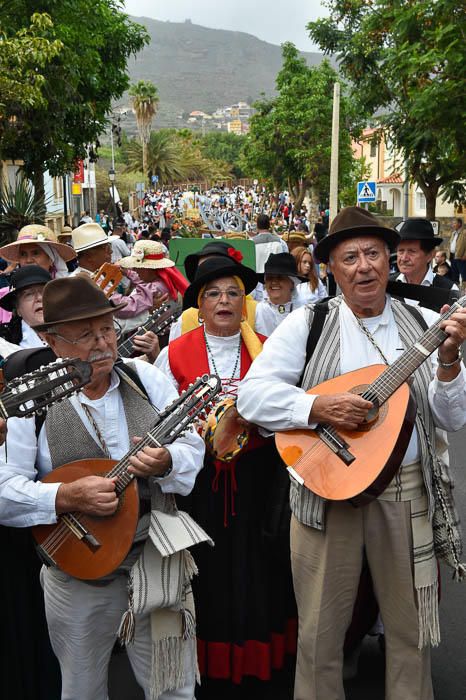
{"points": [[62, 532], [389, 382]]}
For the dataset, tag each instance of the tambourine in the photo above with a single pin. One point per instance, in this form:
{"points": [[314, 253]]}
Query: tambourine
{"points": [[223, 434]]}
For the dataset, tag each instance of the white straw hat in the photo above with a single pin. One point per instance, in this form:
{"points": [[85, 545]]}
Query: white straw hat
{"points": [[36, 233], [88, 236], [149, 254]]}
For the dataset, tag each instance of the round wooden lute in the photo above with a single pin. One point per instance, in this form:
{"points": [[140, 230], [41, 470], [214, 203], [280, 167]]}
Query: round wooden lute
{"points": [[114, 534], [378, 448]]}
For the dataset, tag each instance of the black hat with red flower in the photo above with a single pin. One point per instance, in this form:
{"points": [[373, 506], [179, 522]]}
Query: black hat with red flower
{"points": [[215, 268], [216, 248]]}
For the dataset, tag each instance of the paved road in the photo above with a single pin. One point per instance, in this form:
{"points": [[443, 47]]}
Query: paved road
{"points": [[448, 660]]}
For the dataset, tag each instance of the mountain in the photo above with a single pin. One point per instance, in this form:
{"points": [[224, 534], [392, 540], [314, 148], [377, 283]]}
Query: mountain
{"points": [[196, 68]]}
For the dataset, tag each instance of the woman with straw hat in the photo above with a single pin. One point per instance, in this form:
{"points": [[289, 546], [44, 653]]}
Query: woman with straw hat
{"points": [[240, 498], [38, 245]]}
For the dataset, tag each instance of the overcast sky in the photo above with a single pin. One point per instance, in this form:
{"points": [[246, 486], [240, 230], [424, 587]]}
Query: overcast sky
{"points": [[275, 21]]}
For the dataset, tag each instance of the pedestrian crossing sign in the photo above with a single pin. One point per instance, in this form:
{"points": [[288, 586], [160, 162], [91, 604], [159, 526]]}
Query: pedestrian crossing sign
{"points": [[366, 191]]}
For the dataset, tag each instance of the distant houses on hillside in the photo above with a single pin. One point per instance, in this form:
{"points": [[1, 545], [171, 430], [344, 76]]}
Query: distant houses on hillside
{"points": [[233, 118]]}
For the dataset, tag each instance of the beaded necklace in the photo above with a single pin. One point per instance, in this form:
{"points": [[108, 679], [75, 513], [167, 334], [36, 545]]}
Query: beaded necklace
{"points": [[211, 357]]}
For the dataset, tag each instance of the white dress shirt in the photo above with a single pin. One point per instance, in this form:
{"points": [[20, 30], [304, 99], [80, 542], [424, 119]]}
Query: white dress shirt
{"points": [[426, 282], [25, 501], [305, 295], [269, 316], [224, 351], [268, 396], [30, 338]]}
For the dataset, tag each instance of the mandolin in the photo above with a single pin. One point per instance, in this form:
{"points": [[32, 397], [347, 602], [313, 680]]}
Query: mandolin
{"points": [[31, 393], [108, 277], [89, 547], [358, 465], [158, 322]]}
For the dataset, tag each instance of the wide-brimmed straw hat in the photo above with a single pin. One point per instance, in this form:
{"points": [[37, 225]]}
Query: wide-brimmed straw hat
{"points": [[22, 278], [36, 233], [147, 254], [88, 236], [353, 222], [282, 264], [65, 232], [217, 248], [73, 299], [418, 230], [213, 269]]}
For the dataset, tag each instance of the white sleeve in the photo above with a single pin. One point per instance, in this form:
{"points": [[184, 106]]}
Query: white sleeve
{"points": [[163, 365], [187, 452], [321, 291], [23, 500], [175, 330], [268, 395], [447, 400]]}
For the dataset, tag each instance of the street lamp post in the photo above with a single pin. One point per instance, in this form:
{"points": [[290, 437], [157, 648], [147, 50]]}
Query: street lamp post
{"points": [[111, 177]]}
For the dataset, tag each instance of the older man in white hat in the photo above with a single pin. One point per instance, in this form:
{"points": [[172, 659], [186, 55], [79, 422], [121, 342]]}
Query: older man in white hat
{"points": [[93, 249]]}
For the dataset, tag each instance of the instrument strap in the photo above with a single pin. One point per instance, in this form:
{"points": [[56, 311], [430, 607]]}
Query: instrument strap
{"points": [[320, 314], [99, 435], [430, 297]]}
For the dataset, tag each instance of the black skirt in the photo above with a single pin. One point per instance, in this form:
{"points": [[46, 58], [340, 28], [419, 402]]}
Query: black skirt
{"points": [[246, 612], [29, 669]]}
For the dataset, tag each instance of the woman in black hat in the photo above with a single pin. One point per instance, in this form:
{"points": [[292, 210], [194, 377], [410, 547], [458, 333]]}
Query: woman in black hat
{"points": [[218, 248], [280, 278], [244, 598], [24, 300]]}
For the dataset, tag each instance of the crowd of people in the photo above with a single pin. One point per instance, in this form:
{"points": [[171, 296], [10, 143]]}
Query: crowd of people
{"points": [[239, 579]]}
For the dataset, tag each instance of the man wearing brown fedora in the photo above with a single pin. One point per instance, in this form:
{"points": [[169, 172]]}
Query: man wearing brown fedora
{"points": [[103, 421], [329, 539]]}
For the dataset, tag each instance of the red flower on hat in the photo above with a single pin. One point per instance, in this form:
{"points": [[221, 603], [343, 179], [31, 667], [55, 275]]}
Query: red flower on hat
{"points": [[235, 254]]}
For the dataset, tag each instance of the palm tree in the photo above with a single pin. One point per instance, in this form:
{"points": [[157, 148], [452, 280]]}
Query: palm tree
{"points": [[162, 158], [19, 206], [145, 101]]}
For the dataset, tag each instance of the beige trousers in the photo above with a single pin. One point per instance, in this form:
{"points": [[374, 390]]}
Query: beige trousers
{"points": [[326, 569], [83, 624]]}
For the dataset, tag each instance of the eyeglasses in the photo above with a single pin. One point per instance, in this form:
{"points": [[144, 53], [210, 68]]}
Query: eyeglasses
{"points": [[214, 294], [87, 339]]}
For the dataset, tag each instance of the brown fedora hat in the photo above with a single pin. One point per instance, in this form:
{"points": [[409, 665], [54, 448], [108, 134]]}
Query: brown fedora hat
{"points": [[353, 222], [73, 299]]}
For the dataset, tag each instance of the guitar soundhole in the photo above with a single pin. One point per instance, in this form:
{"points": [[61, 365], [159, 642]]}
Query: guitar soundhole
{"points": [[380, 411]]}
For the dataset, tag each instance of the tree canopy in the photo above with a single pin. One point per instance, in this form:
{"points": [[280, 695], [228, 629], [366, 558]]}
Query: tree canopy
{"points": [[78, 83], [223, 146], [290, 136], [174, 157], [406, 62], [23, 55]]}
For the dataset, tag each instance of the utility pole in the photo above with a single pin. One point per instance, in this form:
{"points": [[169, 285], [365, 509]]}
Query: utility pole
{"points": [[406, 192], [334, 153]]}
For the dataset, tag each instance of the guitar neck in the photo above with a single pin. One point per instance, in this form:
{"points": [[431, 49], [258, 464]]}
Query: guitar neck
{"points": [[172, 422], [397, 373], [156, 323], [32, 392]]}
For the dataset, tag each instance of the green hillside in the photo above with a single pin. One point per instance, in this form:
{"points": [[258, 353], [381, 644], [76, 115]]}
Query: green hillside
{"points": [[196, 68]]}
